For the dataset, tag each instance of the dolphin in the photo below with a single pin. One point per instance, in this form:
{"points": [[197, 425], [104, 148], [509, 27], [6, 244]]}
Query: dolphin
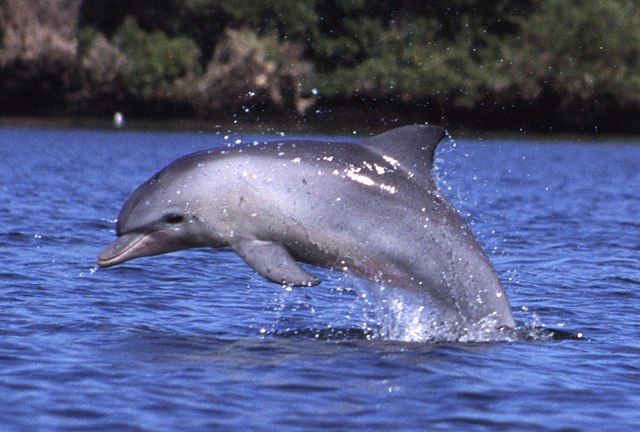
{"points": [[371, 208]]}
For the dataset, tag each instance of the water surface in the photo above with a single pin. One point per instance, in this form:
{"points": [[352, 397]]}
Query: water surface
{"points": [[196, 340]]}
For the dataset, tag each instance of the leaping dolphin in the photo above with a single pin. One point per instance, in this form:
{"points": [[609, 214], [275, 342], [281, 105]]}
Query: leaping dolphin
{"points": [[370, 208]]}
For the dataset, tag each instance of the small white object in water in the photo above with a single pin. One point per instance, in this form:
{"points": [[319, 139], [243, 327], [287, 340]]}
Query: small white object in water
{"points": [[118, 120]]}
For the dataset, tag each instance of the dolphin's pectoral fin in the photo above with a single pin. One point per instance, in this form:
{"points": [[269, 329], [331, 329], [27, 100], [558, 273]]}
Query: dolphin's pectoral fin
{"points": [[274, 262]]}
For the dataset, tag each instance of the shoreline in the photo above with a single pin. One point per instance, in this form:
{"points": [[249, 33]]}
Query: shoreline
{"points": [[288, 126]]}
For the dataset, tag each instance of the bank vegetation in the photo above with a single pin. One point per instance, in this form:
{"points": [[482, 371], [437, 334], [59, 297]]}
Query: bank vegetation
{"points": [[539, 65]]}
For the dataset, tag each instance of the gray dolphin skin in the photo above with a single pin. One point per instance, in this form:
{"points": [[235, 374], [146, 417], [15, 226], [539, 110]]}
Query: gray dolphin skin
{"points": [[370, 208]]}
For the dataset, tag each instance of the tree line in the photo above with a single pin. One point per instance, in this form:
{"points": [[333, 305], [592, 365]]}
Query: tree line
{"points": [[534, 64]]}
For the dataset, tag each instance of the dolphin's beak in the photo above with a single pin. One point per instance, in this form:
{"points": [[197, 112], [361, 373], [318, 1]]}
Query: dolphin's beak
{"points": [[136, 245]]}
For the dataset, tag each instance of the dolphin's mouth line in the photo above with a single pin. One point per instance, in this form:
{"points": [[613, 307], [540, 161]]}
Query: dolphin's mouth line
{"points": [[128, 246], [117, 251], [140, 244]]}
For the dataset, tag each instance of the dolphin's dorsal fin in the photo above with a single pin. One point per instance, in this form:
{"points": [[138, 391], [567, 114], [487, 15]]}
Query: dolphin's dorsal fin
{"points": [[273, 261], [412, 147]]}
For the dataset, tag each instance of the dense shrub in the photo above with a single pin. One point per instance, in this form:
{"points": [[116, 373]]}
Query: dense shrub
{"points": [[38, 48], [154, 62], [570, 60], [38, 32], [102, 67], [581, 50], [248, 70]]}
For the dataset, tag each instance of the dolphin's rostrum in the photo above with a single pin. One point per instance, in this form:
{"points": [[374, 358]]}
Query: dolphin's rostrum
{"points": [[370, 208]]}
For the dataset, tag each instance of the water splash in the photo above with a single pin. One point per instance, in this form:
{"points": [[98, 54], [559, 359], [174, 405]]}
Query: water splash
{"points": [[378, 312], [409, 317]]}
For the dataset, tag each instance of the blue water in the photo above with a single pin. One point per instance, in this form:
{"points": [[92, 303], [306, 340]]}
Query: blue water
{"points": [[195, 340]]}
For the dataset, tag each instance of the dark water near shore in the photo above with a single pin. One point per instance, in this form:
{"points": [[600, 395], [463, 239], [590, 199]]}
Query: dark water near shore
{"points": [[197, 341]]}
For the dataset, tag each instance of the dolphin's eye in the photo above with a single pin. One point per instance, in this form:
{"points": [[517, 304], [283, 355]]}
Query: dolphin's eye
{"points": [[173, 218]]}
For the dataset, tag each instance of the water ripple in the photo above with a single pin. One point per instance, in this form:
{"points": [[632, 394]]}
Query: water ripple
{"points": [[197, 341]]}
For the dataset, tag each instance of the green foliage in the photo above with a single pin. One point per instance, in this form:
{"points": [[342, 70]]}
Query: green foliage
{"points": [[154, 61], [86, 36], [409, 59], [290, 19], [580, 50], [462, 55]]}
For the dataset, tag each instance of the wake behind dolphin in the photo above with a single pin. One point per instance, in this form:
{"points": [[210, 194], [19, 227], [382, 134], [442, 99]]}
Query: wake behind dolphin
{"points": [[370, 208]]}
